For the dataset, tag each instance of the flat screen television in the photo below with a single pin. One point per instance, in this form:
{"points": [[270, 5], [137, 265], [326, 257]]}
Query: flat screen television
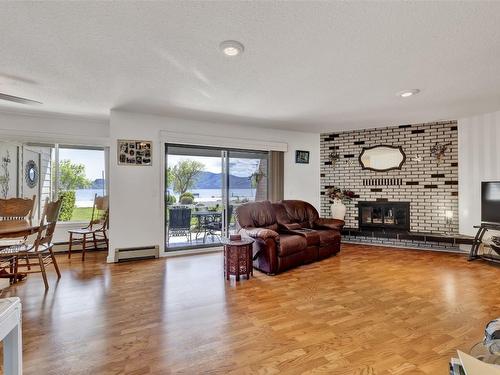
{"points": [[490, 202]]}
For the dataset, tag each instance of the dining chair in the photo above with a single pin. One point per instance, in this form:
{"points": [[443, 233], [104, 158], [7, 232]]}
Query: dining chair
{"points": [[40, 253], [96, 230], [17, 208]]}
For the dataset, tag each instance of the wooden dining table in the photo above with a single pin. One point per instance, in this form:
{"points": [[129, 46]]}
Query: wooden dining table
{"points": [[12, 229], [17, 228]]}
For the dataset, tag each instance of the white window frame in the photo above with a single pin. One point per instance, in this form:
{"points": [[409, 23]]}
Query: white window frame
{"points": [[55, 191]]}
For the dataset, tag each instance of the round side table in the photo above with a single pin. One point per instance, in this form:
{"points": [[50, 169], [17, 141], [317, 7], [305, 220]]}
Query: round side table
{"points": [[238, 257]]}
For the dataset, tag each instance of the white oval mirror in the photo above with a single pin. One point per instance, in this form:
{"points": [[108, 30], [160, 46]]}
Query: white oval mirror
{"points": [[382, 158]]}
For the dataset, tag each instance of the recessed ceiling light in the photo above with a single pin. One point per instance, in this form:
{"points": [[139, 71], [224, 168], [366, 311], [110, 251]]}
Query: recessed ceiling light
{"points": [[408, 93], [231, 48]]}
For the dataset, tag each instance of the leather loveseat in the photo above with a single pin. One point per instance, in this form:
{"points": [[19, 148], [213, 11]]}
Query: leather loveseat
{"points": [[287, 234]]}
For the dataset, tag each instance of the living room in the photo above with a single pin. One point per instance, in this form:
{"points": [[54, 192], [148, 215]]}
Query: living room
{"points": [[249, 187]]}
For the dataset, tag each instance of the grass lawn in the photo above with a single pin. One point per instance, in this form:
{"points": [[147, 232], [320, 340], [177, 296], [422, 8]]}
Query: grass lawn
{"points": [[81, 214]]}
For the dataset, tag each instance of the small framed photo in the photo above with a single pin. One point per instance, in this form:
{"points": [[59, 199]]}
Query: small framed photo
{"points": [[134, 152], [301, 157]]}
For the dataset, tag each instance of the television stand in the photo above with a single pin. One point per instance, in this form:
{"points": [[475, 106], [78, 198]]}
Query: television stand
{"points": [[478, 239]]}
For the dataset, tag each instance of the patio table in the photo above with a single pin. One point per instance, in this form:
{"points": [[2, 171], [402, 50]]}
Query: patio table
{"points": [[203, 218]]}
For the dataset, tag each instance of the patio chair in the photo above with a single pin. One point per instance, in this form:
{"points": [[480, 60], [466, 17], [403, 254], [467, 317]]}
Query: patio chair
{"points": [[96, 229], [179, 222], [40, 252], [216, 225]]}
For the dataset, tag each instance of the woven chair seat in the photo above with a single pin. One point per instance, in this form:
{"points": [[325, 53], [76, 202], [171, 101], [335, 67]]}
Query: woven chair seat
{"points": [[24, 248], [84, 231], [9, 243]]}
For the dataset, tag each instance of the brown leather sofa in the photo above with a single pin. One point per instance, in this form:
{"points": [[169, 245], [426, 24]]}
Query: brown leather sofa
{"points": [[287, 234]]}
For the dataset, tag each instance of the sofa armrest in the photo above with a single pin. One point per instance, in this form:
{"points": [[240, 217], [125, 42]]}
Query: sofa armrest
{"points": [[260, 233], [265, 248], [335, 224]]}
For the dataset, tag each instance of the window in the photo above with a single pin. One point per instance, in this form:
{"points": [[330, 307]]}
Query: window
{"points": [[74, 173], [81, 174]]}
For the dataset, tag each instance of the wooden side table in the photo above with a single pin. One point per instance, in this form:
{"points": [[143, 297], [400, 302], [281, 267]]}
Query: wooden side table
{"points": [[238, 258]]}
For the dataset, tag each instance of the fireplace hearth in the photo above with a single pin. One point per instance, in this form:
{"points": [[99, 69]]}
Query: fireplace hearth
{"points": [[384, 216]]}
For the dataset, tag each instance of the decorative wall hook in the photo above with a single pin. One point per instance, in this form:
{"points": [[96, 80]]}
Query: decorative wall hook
{"points": [[334, 157], [438, 151]]}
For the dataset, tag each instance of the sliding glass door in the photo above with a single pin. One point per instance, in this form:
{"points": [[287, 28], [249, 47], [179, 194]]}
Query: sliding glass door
{"points": [[204, 185], [246, 180]]}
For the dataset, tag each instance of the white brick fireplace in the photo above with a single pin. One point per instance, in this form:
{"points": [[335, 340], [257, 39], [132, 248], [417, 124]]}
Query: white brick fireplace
{"points": [[430, 187]]}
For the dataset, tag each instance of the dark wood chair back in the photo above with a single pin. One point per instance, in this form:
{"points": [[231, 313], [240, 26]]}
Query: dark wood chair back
{"points": [[17, 208], [48, 223], [100, 212]]}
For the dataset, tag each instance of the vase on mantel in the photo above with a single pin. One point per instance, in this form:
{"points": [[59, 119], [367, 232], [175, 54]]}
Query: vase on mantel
{"points": [[338, 209]]}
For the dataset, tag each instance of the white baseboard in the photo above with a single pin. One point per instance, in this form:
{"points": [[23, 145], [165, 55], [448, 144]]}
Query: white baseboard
{"points": [[204, 250]]}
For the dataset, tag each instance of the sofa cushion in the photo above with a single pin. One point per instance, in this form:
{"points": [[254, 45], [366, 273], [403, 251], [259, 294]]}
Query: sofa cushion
{"points": [[257, 215], [299, 212], [281, 216], [328, 236], [312, 236], [291, 244]]}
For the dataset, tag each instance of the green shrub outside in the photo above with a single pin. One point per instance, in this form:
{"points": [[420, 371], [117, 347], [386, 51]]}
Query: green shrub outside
{"points": [[67, 205], [186, 198], [187, 194], [171, 199]]}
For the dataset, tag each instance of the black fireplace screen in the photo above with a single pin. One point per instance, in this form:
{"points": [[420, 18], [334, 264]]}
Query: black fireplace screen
{"points": [[384, 215]]}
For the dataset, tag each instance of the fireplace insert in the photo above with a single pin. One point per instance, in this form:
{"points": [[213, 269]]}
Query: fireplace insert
{"points": [[392, 216]]}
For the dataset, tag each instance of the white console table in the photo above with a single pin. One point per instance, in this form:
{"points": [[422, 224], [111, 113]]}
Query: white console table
{"points": [[11, 335]]}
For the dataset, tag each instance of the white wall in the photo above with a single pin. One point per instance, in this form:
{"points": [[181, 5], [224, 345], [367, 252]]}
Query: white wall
{"points": [[136, 198], [20, 127], [478, 160]]}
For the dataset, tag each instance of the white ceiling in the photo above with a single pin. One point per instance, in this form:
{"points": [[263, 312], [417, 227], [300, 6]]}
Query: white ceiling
{"points": [[312, 66]]}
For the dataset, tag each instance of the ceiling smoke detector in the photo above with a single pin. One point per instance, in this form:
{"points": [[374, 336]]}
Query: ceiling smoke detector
{"points": [[231, 48], [408, 93]]}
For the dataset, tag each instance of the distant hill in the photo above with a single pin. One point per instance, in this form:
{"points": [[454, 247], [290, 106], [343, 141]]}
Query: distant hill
{"points": [[209, 180], [98, 183]]}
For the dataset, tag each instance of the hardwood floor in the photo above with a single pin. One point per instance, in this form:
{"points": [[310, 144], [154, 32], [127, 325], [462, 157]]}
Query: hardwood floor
{"points": [[366, 311]]}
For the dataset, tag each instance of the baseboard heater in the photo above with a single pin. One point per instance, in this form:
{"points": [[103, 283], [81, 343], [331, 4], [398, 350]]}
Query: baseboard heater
{"points": [[136, 253]]}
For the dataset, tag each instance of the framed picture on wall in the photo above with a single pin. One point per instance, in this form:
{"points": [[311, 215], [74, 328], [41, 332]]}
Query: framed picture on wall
{"points": [[135, 152], [301, 157]]}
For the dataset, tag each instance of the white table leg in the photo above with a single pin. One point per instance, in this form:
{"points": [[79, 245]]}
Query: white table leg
{"points": [[13, 352]]}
